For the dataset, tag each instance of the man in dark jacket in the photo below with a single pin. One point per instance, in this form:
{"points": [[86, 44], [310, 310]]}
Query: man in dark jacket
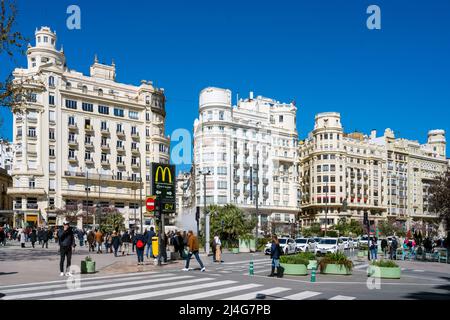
{"points": [[66, 241], [45, 238], [140, 242], [125, 243], [384, 246], [394, 246], [33, 237], [275, 252], [150, 234]]}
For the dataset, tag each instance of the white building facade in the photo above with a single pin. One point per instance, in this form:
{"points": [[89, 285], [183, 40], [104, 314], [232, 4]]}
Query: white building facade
{"points": [[383, 176], [248, 148], [82, 142], [6, 155]]}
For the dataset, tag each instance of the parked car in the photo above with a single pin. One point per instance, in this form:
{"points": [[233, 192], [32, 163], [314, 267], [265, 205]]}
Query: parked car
{"points": [[329, 245], [288, 246], [317, 239], [346, 242], [305, 244]]}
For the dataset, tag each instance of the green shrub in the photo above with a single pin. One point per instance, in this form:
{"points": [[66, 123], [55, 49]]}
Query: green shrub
{"points": [[294, 259], [307, 255], [385, 264], [88, 258], [335, 258]]}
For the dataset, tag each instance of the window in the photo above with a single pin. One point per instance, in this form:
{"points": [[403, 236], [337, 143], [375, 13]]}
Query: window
{"points": [[119, 143], [87, 156], [71, 153], [222, 170], [51, 201], [104, 141], [133, 146], [133, 115], [221, 128], [147, 131], [51, 81], [32, 132], [100, 92], [119, 127], [31, 183], [87, 107], [71, 104], [104, 125], [84, 89], [147, 147], [103, 109], [51, 134], [133, 160], [51, 152], [52, 185], [325, 168], [19, 131], [333, 167], [71, 120], [133, 130], [51, 100], [52, 116], [147, 100], [87, 139], [119, 159], [147, 116], [118, 112], [222, 199], [280, 119]]}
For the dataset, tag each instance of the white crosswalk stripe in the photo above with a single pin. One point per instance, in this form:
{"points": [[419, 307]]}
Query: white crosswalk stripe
{"points": [[217, 292], [252, 295], [301, 295], [339, 297]]}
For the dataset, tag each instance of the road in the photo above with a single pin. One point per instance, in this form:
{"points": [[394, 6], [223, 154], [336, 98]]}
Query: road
{"points": [[36, 277]]}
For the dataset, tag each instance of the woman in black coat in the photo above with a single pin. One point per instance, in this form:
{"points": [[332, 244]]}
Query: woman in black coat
{"points": [[33, 237]]}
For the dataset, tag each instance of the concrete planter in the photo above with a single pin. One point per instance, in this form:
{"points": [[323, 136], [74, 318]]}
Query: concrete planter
{"points": [[362, 254], [312, 264], [247, 245], [336, 269], [384, 273], [87, 266], [294, 269]]}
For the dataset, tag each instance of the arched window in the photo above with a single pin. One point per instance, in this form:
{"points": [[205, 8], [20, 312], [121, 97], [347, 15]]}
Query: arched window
{"points": [[51, 81], [68, 85], [100, 92], [147, 99], [84, 89]]}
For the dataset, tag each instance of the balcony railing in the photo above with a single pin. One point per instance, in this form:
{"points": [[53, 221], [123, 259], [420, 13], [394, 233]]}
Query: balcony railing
{"points": [[95, 176], [236, 165], [121, 164], [105, 147], [246, 165], [236, 191], [135, 151], [89, 128], [120, 133], [265, 180], [32, 205], [89, 161], [135, 136], [73, 143], [236, 178], [246, 179], [73, 159], [18, 206], [105, 131], [89, 144], [73, 126], [121, 149], [105, 163]]}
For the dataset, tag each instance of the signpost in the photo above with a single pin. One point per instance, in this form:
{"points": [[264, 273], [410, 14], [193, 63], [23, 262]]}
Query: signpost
{"points": [[163, 187], [150, 204]]}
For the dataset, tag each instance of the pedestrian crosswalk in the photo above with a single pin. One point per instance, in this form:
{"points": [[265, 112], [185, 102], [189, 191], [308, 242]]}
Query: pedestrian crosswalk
{"points": [[170, 285]]}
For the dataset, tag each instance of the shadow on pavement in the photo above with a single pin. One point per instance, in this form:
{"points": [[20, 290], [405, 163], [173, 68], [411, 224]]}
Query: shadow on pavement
{"points": [[7, 273], [433, 295]]}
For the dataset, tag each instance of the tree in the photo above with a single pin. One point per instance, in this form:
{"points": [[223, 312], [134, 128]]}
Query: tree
{"points": [[231, 223], [313, 230], [391, 227], [354, 227], [110, 219], [11, 41], [439, 199]]}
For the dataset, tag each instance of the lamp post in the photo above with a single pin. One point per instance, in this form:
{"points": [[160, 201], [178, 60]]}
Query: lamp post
{"points": [[207, 173], [326, 207]]}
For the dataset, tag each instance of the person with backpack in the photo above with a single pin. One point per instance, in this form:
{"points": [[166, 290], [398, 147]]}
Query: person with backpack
{"points": [[140, 242], [275, 253], [193, 250]]}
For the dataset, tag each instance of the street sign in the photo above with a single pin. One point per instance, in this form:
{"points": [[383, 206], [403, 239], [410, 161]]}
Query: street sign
{"points": [[163, 186], [150, 204]]}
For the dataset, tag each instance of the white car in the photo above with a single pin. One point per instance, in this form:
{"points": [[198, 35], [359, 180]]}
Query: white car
{"points": [[287, 245], [329, 245], [305, 244], [348, 242]]}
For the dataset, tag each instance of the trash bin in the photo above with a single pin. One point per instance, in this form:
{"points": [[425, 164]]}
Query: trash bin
{"points": [[155, 246]]}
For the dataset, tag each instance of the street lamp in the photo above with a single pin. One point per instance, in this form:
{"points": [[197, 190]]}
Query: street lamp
{"points": [[205, 173]]}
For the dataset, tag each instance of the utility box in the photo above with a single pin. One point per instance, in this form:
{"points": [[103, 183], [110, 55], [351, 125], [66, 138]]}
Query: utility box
{"points": [[155, 246]]}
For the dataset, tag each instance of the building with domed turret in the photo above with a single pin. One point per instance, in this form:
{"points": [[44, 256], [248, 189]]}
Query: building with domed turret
{"points": [[82, 142], [250, 152], [384, 176]]}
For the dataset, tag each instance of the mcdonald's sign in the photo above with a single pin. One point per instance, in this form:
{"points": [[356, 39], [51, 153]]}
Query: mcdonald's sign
{"points": [[163, 186]]}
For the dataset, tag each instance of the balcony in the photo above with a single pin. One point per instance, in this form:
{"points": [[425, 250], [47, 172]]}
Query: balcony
{"points": [[246, 165], [32, 137], [121, 149], [135, 151], [120, 133], [236, 178], [246, 193], [89, 128], [89, 145], [246, 152], [236, 165], [237, 192], [73, 143], [135, 166], [89, 161], [135, 136], [246, 179], [73, 159], [121, 164], [32, 205], [265, 181], [73, 127], [32, 120], [105, 132], [105, 147], [105, 163]]}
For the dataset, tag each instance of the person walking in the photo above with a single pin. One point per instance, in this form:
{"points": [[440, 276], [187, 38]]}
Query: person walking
{"points": [[384, 247], [39, 235], [2, 237], [33, 237], [394, 246], [91, 240], [22, 238], [45, 238], [115, 241], [179, 244], [99, 240], [140, 242], [373, 248], [125, 243], [66, 242], [275, 253], [149, 235], [218, 249], [192, 243], [133, 238]]}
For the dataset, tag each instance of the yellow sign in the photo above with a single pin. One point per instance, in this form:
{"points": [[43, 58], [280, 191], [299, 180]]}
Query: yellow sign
{"points": [[163, 174]]}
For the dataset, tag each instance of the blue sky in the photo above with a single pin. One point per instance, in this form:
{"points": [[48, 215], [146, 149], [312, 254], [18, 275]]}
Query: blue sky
{"points": [[318, 53]]}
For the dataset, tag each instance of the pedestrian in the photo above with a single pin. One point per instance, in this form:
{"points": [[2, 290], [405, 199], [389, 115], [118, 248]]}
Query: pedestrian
{"points": [[91, 240], [213, 247], [39, 235], [22, 238], [218, 249], [2, 237], [384, 247], [192, 243], [107, 242], [33, 237], [66, 242], [394, 246], [373, 248], [140, 242], [275, 253], [149, 236], [49, 234], [81, 237], [99, 240], [179, 244], [133, 238], [125, 243], [45, 238], [185, 238], [115, 241]]}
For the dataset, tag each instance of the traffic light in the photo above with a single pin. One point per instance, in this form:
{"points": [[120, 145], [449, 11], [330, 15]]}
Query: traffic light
{"points": [[366, 218], [197, 214]]}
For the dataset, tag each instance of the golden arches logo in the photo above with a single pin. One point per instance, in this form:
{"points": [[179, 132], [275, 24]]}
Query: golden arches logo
{"points": [[163, 174]]}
